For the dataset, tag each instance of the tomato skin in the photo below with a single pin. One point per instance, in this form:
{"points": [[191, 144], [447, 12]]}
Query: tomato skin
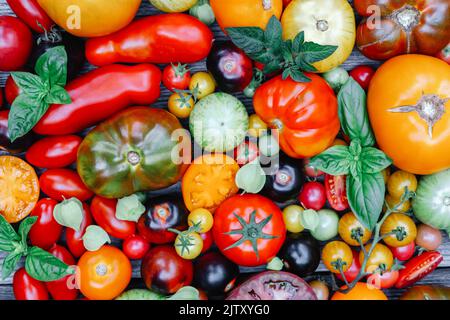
{"points": [[27, 288], [46, 231], [176, 77], [104, 213], [428, 237], [54, 152], [336, 252], [361, 291], [349, 226], [383, 281], [313, 195], [60, 184], [401, 222], [74, 239], [336, 191], [352, 273], [166, 38], [15, 43], [381, 258], [32, 14], [363, 75], [246, 152], [135, 247], [418, 267], [404, 253], [208, 240], [99, 94], [59, 289], [11, 90], [426, 293]]}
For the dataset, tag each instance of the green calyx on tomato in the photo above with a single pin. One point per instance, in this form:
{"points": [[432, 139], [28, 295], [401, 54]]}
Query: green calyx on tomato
{"points": [[69, 213], [95, 237]]}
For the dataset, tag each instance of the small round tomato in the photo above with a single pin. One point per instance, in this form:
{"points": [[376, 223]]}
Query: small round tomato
{"points": [[311, 171], [135, 247], [399, 182], [401, 228], [208, 240], [74, 239], [363, 75], [103, 274], [336, 191], [353, 272], [61, 289], [189, 245], [320, 289], [418, 267], [380, 260], [16, 42], [292, 218], [313, 195], [60, 184], [428, 237], [361, 291], [202, 218], [246, 152], [395, 203], [404, 253], [386, 174], [27, 288], [176, 77], [337, 256], [46, 231], [256, 126], [350, 230], [383, 280], [202, 84], [181, 105]]}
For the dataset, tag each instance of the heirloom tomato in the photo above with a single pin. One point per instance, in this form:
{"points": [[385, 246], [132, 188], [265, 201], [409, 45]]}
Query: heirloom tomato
{"points": [[305, 114], [426, 293], [131, 152], [404, 253], [201, 218], [62, 289], [60, 184], [353, 272], [313, 195], [16, 42], [300, 254], [350, 230], [428, 238], [203, 83], [363, 75], [27, 288], [444, 54], [46, 231], [11, 90], [407, 100], [249, 229], [74, 239]]}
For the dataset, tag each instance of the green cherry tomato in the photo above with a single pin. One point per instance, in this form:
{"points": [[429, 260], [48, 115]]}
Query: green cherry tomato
{"points": [[328, 225]]}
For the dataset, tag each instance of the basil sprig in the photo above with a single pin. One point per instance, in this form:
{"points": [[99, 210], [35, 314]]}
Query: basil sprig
{"points": [[38, 91], [39, 264], [293, 57], [360, 161]]}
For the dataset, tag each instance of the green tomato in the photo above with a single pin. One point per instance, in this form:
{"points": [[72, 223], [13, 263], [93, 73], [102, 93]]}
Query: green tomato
{"points": [[268, 146], [328, 225], [203, 12]]}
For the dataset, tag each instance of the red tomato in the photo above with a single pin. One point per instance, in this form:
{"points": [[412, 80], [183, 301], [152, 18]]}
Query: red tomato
{"points": [[313, 196], [30, 12], [354, 269], [246, 152], [176, 77], [27, 288], [363, 75], [383, 281], [311, 171], [46, 231], [135, 247], [60, 184], [54, 152], [418, 267], [16, 42], [286, 3], [249, 229], [404, 253], [336, 191], [104, 213], [11, 90], [208, 240], [62, 289], [74, 239]]}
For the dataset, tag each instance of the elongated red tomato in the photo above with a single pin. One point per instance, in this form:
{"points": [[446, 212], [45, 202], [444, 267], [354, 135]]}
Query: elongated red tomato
{"points": [[54, 152], [46, 231], [62, 289], [336, 190], [60, 184], [98, 95], [27, 288], [163, 38], [418, 268], [74, 239], [30, 12]]}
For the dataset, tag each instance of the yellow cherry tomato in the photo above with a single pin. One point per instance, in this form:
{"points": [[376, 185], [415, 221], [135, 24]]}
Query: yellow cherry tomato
{"points": [[381, 258], [257, 127], [292, 218], [181, 105], [202, 218], [402, 228], [350, 229], [189, 245], [336, 256], [395, 203], [399, 181], [202, 84]]}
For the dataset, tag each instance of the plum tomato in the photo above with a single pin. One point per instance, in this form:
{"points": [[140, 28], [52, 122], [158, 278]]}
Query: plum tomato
{"points": [[428, 237], [176, 77], [398, 230], [27, 288], [404, 253], [418, 268], [45, 232], [60, 184], [336, 191], [135, 247], [16, 42], [363, 75], [74, 239], [62, 289], [337, 256], [313, 195], [353, 272], [300, 254]]}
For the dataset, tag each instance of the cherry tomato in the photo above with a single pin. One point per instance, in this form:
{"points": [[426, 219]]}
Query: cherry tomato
{"points": [[395, 203], [336, 192], [202, 218], [46, 231], [246, 152], [203, 84], [363, 75], [383, 280], [311, 171], [181, 105], [208, 240], [135, 247], [418, 267], [11, 90], [353, 272], [60, 184], [74, 239], [399, 181], [176, 77], [428, 237], [336, 256], [62, 289], [189, 245], [16, 42], [320, 289], [350, 229], [313, 196], [380, 260], [256, 126], [292, 218], [404, 253], [402, 229], [27, 288]]}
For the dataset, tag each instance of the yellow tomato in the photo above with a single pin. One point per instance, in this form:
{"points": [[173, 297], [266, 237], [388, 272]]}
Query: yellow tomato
{"points": [[181, 105], [173, 5], [292, 216], [256, 126], [202, 84], [362, 291], [326, 22], [203, 218]]}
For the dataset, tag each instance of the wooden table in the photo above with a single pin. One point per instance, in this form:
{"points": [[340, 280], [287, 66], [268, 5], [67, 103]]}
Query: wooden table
{"points": [[439, 277]]}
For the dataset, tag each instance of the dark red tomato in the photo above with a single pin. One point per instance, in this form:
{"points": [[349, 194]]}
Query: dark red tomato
{"points": [[104, 213], [418, 267], [404, 253], [363, 75], [46, 231], [311, 171], [54, 152], [313, 196], [383, 281], [208, 240], [27, 288], [230, 67], [176, 77], [336, 190], [135, 247], [11, 90], [60, 184], [246, 152], [62, 289], [16, 42], [352, 273], [445, 54], [164, 271], [74, 239], [30, 12]]}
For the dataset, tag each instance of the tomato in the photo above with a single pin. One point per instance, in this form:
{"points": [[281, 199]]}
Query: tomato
{"points": [[395, 103], [350, 229], [62, 289], [353, 272], [428, 237], [104, 213], [201, 218], [173, 6], [362, 291], [336, 191], [418, 267], [60, 184], [165, 38], [203, 84], [164, 271], [386, 174], [300, 254], [292, 218], [383, 280], [135, 247], [208, 240], [444, 54], [15, 43], [74, 239], [402, 229], [402, 27], [313, 195], [285, 4], [326, 22], [395, 203], [32, 14], [305, 114], [363, 75], [245, 13], [320, 289], [249, 229], [99, 94], [337, 256], [256, 126], [20, 188], [209, 180], [54, 152], [380, 260], [246, 152], [189, 245], [426, 293], [399, 181], [103, 274], [181, 105], [81, 17], [46, 231], [11, 90], [176, 77], [404, 253], [18, 145], [311, 171], [27, 288]]}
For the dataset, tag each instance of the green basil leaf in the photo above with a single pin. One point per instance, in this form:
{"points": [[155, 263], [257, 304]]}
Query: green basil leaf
{"points": [[43, 266], [10, 263], [249, 39], [94, 238], [25, 228], [129, 208], [366, 197], [52, 66], [335, 161], [29, 84], [314, 52], [58, 95], [374, 160], [8, 236], [353, 113], [69, 213]]}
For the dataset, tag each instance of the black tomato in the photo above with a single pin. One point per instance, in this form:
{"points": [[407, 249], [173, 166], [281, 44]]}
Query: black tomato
{"points": [[17, 146], [301, 254]]}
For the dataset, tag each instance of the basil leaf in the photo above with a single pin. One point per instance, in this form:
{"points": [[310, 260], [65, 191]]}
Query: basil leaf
{"points": [[249, 39], [25, 228], [366, 197], [52, 66], [314, 52], [353, 113], [43, 266], [8, 236], [273, 34], [29, 83], [58, 95], [374, 160], [10, 263], [335, 161]]}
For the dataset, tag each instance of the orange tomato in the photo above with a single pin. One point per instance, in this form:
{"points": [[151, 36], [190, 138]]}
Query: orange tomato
{"points": [[360, 292], [246, 13], [209, 181], [103, 274], [19, 188], [407, 100]]}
